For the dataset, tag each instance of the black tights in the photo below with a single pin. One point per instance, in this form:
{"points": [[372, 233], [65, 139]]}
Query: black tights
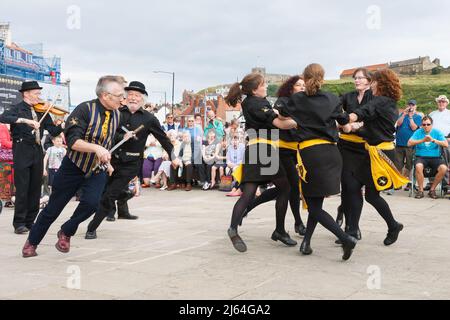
{"points": [[288, 161], [317, 214], [248, 195], [352, 202]]}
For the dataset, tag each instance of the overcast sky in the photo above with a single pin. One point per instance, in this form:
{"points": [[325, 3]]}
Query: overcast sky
{"points": [[211, 42]]}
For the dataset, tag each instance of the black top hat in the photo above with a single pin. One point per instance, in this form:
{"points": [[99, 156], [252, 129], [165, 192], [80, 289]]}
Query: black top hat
{"points": [[137, 86], [30, 85]]}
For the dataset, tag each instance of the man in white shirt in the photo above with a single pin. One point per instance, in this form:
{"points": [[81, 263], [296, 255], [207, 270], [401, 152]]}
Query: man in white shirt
{"points": [[441, 120]]}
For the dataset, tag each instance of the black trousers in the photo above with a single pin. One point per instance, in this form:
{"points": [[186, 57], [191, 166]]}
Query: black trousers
{"points": [[28, 170], [115, 185]]}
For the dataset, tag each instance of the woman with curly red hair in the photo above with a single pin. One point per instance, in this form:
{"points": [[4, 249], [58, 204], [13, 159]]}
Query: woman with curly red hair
{"points": [[378, 172]]}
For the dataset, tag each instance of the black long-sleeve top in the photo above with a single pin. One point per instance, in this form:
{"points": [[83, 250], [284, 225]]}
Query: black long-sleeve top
{"points": [[259, 115], [316, 115], [350, 104], [286, 135], [379, 116], [22, 131], [133, 149]]}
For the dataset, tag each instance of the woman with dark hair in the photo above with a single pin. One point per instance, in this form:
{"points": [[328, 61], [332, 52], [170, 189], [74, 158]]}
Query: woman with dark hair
{"points": [[261, 162], [353, 155], [288, 156], [378, 171], [316, 113]]}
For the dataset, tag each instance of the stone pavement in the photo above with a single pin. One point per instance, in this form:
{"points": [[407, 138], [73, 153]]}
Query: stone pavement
{"points": [[179, 249]]}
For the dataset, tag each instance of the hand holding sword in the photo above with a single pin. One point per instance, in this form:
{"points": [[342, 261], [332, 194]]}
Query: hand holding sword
{"points": [[104, 156]]}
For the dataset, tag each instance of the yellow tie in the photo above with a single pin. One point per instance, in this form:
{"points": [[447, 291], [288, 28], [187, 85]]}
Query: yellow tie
{"points": [[106, 124]]}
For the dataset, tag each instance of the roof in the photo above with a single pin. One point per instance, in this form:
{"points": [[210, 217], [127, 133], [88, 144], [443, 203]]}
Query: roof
{"points": [[14, 46], [409, 62], [372, 68]]}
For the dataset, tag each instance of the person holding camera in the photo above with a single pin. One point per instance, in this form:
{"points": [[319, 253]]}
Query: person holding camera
{"points": [[408, 122]]}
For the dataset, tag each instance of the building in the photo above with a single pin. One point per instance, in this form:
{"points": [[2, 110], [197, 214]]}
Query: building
{"points": [[420, 65], [411, 67], [20, 62], [271, 78], [373, 68]]}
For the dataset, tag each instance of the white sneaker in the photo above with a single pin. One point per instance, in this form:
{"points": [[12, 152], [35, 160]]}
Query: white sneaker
{"points": [[163, 188], [152, 181], [206, 186]]}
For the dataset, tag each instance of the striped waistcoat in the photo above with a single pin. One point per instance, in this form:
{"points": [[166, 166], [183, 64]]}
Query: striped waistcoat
{"points": [[87, 161]]}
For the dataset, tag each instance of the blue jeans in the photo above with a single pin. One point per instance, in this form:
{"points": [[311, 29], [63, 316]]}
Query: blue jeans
{"points": [[68, 180]]}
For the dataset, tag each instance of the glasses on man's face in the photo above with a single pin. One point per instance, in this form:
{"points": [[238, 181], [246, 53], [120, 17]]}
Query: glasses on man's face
{"points": [[442, 101], [120, 96], [426, 124]]}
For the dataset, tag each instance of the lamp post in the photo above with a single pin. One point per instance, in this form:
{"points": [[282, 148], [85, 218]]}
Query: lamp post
{"points": [[173, 85]]}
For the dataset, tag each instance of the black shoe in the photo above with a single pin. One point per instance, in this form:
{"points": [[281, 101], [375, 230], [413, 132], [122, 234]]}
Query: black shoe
{"points": [[91, 235], [340, 216], [358, 235], [285, 238], [427, 187], [238, 243], [348, 245], [305, 248], [392, 236], [300, 229], [110, 219], [128, 217], [21, 230]]}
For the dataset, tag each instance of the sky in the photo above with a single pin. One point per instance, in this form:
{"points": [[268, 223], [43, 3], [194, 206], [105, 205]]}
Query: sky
{"points": [[212, 42]]}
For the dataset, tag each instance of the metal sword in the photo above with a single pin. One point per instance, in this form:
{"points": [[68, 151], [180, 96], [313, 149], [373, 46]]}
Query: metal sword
{"points": [[102, 166]]}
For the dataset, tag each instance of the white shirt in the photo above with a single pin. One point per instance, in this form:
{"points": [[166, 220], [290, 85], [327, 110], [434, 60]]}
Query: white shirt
{"points": [[441, 121]]}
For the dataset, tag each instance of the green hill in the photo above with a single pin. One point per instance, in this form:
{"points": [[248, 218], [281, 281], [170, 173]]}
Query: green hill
{"points": [[422, 88]]}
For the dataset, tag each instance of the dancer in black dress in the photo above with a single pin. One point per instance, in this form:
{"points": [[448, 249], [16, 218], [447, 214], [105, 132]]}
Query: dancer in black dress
{"points": [[316, 113], [261, 163], [378, 171], [288, 156], [353, 155]]}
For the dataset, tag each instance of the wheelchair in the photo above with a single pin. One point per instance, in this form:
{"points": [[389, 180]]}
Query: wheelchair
{"points": [[429, 173]]}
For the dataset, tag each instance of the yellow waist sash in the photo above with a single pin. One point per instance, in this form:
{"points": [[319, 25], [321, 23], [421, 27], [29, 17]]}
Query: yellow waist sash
{"points": [[237, 174], [384, 173]]}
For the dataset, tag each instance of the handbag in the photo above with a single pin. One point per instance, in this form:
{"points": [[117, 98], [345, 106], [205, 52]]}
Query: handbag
{"points": [[226, 183], [6, 155]]}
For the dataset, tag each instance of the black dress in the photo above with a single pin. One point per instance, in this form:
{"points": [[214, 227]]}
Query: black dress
{"points": [[316, 117], [261, 162], [353, 154], [379, 116]]}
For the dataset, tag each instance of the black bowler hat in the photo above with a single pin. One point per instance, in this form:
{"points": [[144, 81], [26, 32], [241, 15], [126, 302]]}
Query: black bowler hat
{"points": [[137, 86], [30, 85]]}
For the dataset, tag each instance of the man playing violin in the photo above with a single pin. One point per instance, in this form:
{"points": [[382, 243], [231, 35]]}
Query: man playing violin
{"points": [[27, 128]]}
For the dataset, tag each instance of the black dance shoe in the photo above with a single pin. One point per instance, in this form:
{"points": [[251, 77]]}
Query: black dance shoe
{"points": [[300, 229], [127, 217], [305, 248], [357, 236], [340, 216], [285, 238], [110, 218], [348, 245], [91, 235], [238, 243], [392, 235]]}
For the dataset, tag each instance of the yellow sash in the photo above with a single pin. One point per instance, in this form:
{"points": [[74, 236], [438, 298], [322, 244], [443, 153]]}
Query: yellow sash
{"points": [[384, 173]]}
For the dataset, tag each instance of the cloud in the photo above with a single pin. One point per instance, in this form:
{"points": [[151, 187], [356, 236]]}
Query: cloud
{"points": [[212, 42]]}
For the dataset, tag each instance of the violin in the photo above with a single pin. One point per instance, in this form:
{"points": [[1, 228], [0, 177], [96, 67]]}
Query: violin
{"points": [[42, 107]]}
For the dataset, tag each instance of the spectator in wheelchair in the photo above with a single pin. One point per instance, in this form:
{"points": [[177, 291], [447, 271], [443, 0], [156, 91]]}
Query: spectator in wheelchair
{"points": [[428, 143]]}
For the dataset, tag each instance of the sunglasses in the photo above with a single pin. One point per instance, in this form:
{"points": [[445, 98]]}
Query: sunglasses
{"points": [[426, 124]]}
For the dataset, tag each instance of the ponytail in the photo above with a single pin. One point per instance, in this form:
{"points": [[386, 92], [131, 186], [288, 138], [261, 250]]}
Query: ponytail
{"points": [[314, 76], [234, 95]]}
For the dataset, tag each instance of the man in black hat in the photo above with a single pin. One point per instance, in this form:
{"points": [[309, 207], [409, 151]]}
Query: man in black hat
{"points": [[127, 159], [28, 153]]}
